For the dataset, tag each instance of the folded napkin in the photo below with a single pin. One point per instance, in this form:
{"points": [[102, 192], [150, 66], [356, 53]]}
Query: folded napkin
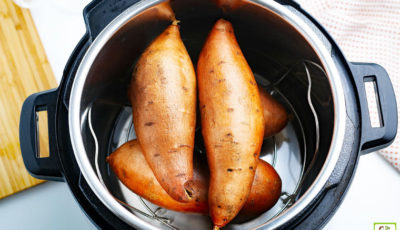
{"points": [[366, 31]]}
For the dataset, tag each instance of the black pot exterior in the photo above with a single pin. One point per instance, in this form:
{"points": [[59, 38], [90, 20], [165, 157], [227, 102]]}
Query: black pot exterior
{"points": [[91, 205]]}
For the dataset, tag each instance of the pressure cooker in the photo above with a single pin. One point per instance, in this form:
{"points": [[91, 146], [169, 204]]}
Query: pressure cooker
{"points": [[291, 55]]}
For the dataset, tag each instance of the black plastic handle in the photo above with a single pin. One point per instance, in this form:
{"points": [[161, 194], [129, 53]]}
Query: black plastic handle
{"points": [[375, 138], [48, 167], [99, 13]]}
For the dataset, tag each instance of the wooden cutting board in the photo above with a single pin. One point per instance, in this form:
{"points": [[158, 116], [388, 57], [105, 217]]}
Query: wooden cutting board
{"points": [[24, 70]]}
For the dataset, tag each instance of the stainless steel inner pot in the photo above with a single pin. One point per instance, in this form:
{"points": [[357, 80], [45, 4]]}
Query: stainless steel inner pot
{"points": [[274, 39]]}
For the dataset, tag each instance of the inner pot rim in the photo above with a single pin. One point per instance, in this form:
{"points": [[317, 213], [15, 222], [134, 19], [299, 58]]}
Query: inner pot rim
{"points": [[309, 34]]}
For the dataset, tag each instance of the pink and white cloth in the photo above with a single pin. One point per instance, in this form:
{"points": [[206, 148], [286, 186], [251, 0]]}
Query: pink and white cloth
{"points": [[366, 31]]}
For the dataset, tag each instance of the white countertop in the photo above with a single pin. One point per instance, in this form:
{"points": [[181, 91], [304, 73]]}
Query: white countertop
{"points": [[374, 195]]}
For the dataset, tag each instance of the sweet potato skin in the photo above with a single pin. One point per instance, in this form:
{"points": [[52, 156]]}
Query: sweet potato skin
{"points": [[232, 121], [130, 166], [163, 97], [274, 114], [265, 192]]}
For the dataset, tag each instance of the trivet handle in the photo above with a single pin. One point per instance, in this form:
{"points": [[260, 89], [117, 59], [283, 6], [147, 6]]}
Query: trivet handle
{"points": [[40, 167], [375, 138]]}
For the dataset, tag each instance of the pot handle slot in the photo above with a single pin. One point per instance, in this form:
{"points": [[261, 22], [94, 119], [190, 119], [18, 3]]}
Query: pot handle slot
{"points": [[99, 13], [382, 135], [42, 167]]}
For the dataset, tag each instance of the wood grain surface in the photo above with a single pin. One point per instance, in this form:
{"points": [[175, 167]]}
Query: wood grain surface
{"points": [[24, 70]]}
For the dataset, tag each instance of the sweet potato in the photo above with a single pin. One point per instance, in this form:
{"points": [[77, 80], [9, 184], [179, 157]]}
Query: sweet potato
{"points": [[232, 122], [130, 166], [264, 193], [274, 114], [163, 97]]}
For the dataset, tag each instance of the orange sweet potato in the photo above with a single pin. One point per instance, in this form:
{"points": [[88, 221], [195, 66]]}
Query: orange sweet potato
{"points": [[163, 97], [264, 193], [130, 166], [232, 122], [274, 114]]}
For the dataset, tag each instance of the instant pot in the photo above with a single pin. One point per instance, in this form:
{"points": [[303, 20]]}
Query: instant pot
{"points": [[291, 55]]}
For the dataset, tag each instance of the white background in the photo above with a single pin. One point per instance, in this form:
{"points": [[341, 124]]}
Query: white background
{"points": [[374, 195]]}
